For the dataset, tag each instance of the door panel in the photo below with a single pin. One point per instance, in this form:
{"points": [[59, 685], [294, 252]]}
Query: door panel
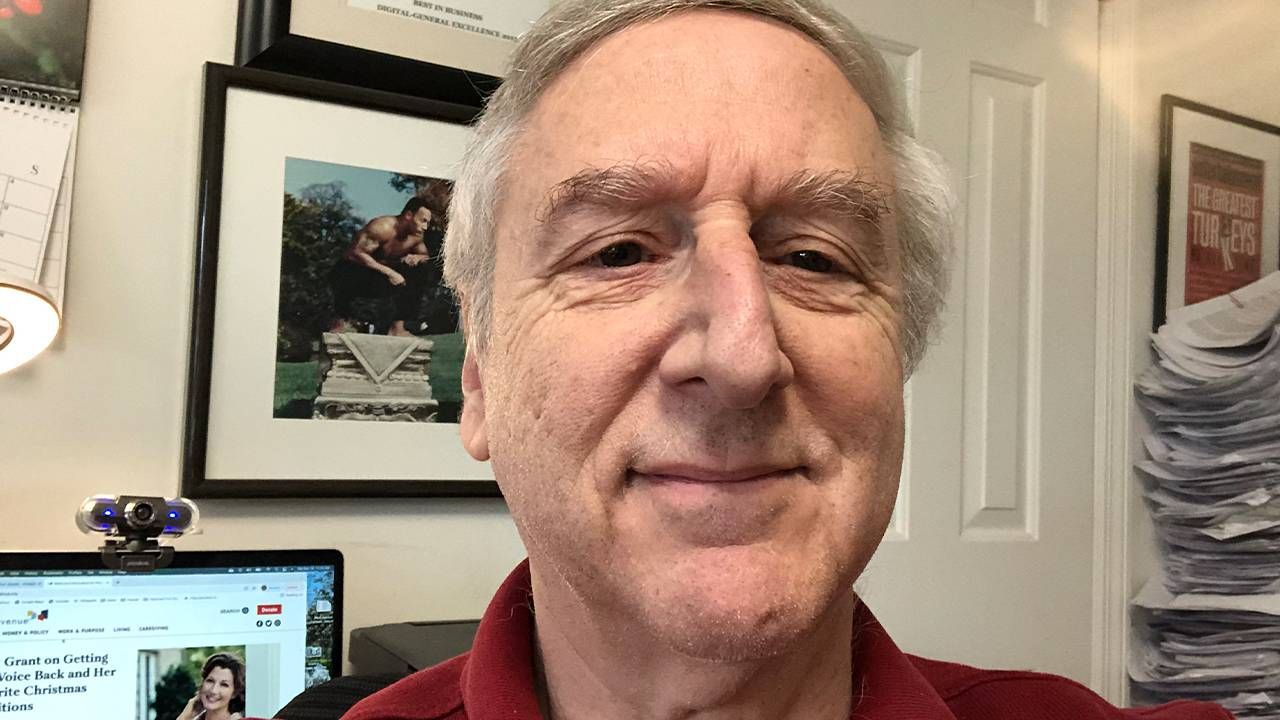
{"points": [[989, 555]]}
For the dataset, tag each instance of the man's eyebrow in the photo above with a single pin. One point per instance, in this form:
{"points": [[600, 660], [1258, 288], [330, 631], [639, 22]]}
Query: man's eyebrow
{"points": [[622, 186], [848, 195]]}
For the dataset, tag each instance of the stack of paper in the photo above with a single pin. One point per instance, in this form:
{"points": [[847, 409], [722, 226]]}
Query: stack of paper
{"points": [[1222, 648], [1209, 626]]}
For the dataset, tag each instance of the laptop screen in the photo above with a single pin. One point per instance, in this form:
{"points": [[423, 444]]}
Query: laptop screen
{"points": [[245, 631]]}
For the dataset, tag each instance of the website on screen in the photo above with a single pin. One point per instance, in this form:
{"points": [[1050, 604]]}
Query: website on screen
{"points": [[105, 644]]}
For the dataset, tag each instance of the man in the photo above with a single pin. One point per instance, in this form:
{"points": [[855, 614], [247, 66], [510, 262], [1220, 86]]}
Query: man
{"points": [[389, 256], [698, 253]]}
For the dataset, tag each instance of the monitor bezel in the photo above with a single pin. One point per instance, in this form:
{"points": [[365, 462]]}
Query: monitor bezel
{"points": [[201, 559]]}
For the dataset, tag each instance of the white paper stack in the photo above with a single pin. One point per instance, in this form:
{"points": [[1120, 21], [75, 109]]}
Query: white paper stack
{"points": [[1222, 648], [1209, 626]]}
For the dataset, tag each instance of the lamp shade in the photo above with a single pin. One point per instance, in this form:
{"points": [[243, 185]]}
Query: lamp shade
{"points": [[28, 321]]}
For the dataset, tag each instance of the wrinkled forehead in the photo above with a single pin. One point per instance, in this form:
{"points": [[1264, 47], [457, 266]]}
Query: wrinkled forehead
{"points": [[731, 103]]}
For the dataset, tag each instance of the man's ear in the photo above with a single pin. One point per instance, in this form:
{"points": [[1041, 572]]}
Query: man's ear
{"points": [[475, 436]]}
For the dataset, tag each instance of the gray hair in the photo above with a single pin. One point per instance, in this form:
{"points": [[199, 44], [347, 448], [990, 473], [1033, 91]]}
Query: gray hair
{"points": [[923, 200]]}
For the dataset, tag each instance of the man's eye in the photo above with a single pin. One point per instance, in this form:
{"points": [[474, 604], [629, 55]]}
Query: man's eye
{"points": [[811, 260], [620, 255]]}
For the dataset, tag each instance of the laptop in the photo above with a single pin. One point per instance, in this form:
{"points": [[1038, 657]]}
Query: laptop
{"points": [[78, 640]]}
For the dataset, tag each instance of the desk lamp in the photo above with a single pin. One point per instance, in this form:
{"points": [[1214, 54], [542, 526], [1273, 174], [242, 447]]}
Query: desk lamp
{"points": [[28, 321]]}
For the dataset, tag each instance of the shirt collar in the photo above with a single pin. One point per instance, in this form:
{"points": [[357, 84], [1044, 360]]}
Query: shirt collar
{"points": [[886, 684], [498, 682]]}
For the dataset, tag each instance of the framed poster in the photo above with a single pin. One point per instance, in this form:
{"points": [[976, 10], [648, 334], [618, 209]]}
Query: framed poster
{"points": [[325, 353], [451, 50], [1218, 220]]}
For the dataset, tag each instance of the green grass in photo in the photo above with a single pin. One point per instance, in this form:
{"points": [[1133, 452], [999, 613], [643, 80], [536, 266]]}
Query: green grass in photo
{"points": [[445, 373], [297, 384]]}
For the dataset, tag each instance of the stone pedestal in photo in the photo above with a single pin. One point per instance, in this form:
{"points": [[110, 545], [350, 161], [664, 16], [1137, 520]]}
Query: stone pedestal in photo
{"points": [[376, 377]]}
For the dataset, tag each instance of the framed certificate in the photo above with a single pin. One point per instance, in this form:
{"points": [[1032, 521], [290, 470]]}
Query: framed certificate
{"points": [[450, 51]]}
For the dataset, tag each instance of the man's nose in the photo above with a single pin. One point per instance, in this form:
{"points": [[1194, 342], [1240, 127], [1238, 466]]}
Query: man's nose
{"points": [[728, 341]]}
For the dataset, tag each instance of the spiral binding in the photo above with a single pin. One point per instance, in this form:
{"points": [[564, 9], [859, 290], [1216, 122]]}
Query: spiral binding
{"points": [[26, 96]]}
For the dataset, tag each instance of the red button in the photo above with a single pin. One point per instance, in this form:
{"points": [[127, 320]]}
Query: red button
{"points": [[269, 609]]}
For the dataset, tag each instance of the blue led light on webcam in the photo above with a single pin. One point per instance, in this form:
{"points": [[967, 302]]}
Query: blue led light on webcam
{"points": [[109, 512], [173, 514]]}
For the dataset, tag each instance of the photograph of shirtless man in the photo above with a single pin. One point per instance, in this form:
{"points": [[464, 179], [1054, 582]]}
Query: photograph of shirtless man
{"points": [[360, 254], [388, 257]]}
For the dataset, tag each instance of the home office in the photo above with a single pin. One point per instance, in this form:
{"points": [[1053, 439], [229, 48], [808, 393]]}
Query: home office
{"points": [[1030, 558]]}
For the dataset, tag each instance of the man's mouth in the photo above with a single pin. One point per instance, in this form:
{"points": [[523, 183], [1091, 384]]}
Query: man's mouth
{"points": [[688, 473], [706, 507]]}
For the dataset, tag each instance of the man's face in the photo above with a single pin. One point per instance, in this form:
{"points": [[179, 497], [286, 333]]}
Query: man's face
{"points": [[418, 221], [693, 393]]}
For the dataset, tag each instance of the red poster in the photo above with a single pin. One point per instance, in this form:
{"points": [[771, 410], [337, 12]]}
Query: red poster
{"points": [[1224, 222]]}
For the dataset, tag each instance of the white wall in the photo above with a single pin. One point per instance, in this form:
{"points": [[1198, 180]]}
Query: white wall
{"points": [[102, 411], [1222, 54]]}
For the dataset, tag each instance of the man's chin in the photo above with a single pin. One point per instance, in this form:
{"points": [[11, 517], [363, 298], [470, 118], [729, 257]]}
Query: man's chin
{"points": [[735, 606], [752, 635]]}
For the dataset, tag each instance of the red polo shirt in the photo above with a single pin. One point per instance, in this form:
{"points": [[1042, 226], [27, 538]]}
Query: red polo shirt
{"points": [[495, 681]]}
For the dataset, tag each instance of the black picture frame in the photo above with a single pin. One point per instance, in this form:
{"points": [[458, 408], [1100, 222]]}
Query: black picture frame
{"points": [[1173, 144], [218, 81], [264, 41]]}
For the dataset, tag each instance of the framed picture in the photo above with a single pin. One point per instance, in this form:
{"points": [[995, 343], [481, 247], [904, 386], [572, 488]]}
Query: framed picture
{"points": [[325, 352], [1218, 220], [453, 50]]}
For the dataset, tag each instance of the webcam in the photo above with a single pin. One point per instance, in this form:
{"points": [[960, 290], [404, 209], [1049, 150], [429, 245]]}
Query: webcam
{"points": [[132, 524]]}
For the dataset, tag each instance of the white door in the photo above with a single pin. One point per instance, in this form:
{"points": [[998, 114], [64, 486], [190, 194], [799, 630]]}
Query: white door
{"points": [[989, 558]]}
